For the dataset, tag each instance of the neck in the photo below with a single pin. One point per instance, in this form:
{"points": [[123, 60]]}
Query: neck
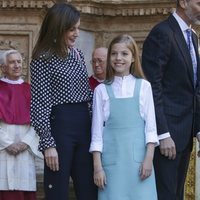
{"points": [[181, 13], [100, 76]]}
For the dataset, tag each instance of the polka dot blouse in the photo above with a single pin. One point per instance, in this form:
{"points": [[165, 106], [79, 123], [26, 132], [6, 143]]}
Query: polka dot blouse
{"points": [[56, 81]]}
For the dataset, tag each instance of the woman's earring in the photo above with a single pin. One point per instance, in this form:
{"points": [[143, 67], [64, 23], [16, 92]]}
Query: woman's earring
{"points": [[54, 40]]}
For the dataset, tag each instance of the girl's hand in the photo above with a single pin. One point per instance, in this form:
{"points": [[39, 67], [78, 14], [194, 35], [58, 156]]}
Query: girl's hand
{"points": [[51, 158], [146, 168], [100, 178]]}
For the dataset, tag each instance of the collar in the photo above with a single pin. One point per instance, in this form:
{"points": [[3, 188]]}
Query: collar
{"points": [[181, 22], [119, 78], [19, 81]]}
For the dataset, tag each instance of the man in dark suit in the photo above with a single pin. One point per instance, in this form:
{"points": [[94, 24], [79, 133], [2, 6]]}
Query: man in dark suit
{"points": [[170, 61]]}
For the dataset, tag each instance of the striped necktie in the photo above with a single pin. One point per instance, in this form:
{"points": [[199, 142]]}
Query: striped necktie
{"points": [[192, 53]]}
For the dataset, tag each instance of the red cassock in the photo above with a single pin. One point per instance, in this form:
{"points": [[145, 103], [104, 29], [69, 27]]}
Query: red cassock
{"points": [[15, 109], [93, 82], [15, 103]]}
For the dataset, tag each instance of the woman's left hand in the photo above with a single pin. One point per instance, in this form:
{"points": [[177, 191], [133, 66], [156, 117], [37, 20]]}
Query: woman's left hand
{"points": [[51, 158]]}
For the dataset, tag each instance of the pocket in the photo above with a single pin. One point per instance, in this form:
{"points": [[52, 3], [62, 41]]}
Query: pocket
{"points": [[109, 154], [139, 150]]}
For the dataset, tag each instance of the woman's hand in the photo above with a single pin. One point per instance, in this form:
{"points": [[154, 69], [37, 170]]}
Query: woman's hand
{"points": [[100, 178], [51, 158]]}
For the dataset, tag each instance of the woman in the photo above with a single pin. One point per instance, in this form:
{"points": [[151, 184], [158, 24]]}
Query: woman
{"points": [[18, 141], [59, 109]]}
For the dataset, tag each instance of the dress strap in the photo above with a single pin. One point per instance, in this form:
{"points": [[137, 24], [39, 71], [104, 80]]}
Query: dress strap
{"points": [[137, 88], [109, 91]]}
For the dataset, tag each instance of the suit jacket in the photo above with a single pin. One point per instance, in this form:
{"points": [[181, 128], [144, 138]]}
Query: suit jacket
{"points": [[168, 66]]}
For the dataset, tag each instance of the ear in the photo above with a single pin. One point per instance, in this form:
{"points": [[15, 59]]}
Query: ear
{"points": [[183, 3], [3, 68]]}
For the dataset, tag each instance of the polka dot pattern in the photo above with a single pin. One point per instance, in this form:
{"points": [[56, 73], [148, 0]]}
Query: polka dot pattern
{"points": [[55, 81]]}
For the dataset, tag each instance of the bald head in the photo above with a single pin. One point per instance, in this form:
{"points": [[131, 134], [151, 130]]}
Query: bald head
{"points": [[99, 57]]}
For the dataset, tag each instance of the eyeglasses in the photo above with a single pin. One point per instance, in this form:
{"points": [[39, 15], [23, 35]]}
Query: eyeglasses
{"points": [[98, 61]]}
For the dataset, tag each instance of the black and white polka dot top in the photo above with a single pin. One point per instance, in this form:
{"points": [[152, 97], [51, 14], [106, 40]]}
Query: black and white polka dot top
{"points": [[55, 81]]}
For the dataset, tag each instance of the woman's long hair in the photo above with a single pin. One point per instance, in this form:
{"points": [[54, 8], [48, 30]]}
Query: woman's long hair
{"points": [[135, 69], [59, 19]]}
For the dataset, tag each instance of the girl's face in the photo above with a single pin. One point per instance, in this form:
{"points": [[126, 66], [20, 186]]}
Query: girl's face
{"points": [[71, 35], [121, 59]]}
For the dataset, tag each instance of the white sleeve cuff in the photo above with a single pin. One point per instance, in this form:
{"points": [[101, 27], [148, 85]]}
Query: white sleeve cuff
{"points": [[163, 136], [95, 147], [152, 138]]}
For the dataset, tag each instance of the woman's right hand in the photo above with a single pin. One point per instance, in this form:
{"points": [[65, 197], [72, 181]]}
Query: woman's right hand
{"points": [[51, 158], [100, 178]]}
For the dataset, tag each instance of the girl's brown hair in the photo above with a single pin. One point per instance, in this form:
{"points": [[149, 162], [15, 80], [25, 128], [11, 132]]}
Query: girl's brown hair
{"points": [[59, 19], [135, 69]]}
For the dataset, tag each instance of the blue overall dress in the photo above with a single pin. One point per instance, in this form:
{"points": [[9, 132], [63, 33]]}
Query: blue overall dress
{"points": [[124, 150]]}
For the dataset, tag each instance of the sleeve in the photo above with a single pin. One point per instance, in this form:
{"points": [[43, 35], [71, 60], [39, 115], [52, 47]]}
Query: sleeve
{"points": [[97, 122], [5, 140], [155, 58], [32, 140], [41, 102], [148, 113], [89, 88]]}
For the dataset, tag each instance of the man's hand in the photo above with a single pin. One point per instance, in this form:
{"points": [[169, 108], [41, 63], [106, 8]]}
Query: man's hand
{"points": [[168, 148], [198, 139], [13, 149]]}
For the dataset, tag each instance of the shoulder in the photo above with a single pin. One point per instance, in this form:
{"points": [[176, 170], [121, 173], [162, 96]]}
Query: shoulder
{"points": [[100, 88], [26, 84], [100, 93], [162, 28], [145, 85], [78, 51]]}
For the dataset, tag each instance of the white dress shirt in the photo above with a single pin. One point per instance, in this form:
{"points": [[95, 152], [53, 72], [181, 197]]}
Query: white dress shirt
{"points": [[123, 87]]}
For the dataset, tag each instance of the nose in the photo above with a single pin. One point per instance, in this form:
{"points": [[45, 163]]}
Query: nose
{"points": [[76, 33], [118, 56], [96, 63], [17, 64]]}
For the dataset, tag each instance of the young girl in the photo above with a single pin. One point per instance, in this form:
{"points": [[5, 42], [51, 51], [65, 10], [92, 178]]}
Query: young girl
{"points": [[123, 127]]}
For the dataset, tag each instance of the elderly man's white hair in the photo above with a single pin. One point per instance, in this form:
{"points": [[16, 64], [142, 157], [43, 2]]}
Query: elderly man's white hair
{"points": [[4, 55]]}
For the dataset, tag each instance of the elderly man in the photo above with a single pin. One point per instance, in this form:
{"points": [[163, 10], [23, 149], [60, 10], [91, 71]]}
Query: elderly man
{"points": [[18, 140], [98, 62], [171, 63]]}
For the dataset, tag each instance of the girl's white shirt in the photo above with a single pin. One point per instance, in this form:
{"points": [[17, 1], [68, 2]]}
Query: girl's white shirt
{"points": [[123, 87]]}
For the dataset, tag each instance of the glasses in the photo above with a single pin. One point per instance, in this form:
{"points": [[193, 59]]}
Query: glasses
{"points": [[97, 61]]}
